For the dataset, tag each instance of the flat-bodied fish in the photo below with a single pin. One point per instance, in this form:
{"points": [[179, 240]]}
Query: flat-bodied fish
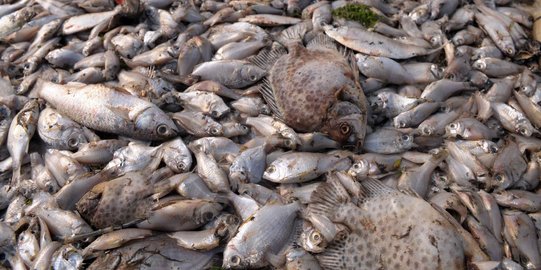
{"points": [[389, 230], [315, 88]]}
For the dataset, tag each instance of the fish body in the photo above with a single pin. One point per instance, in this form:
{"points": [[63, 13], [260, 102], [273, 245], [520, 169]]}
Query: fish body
{"points": [[309, 86], [106, 109], [388, 230]]}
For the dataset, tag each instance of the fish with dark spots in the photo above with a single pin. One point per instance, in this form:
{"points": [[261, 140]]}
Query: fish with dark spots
{"points": [[315, 87]]}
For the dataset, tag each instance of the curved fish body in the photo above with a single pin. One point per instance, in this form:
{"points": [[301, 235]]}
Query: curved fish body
{"points": [[315, 88], [106, 109]]}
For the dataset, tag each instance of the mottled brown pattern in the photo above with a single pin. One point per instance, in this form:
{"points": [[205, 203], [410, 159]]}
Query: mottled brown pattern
{"points": [[116, 202], [306, 83]]}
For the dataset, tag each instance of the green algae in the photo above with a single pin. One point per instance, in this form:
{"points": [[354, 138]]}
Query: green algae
{"points": [[357, 12]]}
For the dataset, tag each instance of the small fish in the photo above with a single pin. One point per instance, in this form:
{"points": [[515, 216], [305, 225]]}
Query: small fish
{"points": [[59, 131], [269, 229], [297, 167], [374, 44], [21, 130], [14, 21], [230, 73]]}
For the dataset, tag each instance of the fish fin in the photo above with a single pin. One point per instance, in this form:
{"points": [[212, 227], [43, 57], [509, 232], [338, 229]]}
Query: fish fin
{"points": [[266, 91], [328, 197], [332, 257], [294, 34], [266, 58], [322, 41], [123, 112], [375, 188]]}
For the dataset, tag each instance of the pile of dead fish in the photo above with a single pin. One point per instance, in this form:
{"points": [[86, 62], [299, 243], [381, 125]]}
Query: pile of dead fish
{"points": [[196, 134]]}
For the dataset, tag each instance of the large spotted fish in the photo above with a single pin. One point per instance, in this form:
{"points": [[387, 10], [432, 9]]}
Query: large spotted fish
{"points": [[314, 88], [390, 230]]}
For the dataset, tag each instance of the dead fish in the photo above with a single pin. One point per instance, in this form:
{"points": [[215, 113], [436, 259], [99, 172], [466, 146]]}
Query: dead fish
{"points": [[299, 167], [118, 112], [59, 131], [291, 83], [274, 224], [230, 73], [21, 130], [423, 230], [374, 44]]}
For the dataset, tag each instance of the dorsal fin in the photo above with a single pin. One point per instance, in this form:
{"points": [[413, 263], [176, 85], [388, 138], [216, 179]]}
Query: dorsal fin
{"points": [[294, 34], [266, 58], [268, 94], [322, 41], [375, 188], [328, 197]]}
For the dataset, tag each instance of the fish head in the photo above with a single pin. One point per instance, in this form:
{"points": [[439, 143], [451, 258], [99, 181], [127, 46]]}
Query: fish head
{"points": [[312, 240], [207, 212], [214, 129], [405, 141], [237, 257], [237, 172], [348, 130], [480, 64], [275, 172], [501, 181], [359, 168], [525, 128], [162, 126], [251, 73], [453, 129], [74, 138]]}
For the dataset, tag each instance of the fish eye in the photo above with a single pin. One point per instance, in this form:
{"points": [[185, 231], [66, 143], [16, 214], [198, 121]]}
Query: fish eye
{"points": [[510, 50], [235, 260], [271, 169], [214, 131], [214, 114], [524, 132], [452, 125], [288, 143], [499, 177], [162, 129], [427, 130], [344, 128], [316, 237], [181, 166], [253, 77], [356, 166], [73, 142]]}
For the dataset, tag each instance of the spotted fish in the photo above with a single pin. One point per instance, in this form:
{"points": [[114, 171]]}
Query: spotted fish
{"points": [[314, 87], [390, 230]]}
